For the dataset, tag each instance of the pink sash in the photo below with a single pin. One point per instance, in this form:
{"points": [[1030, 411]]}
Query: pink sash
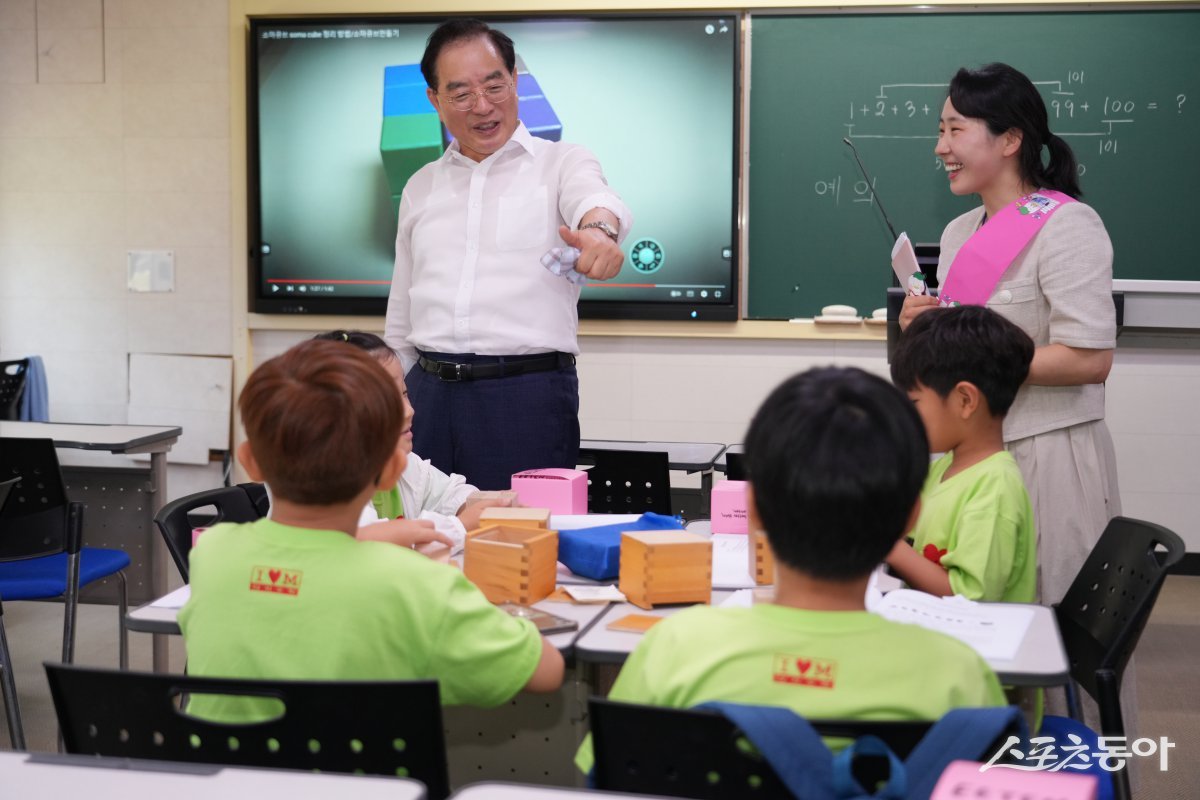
{"points": [[983, 259]]}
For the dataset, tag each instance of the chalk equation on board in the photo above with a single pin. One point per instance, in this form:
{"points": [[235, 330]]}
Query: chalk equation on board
{"points": [[1094, 121]]}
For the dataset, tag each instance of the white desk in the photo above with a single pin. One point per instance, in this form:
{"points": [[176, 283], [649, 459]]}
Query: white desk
{"points": [[733, 449], [156, 440], [1040, 661], [522, 791], [57, 776]]}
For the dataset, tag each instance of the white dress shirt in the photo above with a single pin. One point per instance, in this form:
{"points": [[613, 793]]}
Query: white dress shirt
{"points": [[469, 243]]}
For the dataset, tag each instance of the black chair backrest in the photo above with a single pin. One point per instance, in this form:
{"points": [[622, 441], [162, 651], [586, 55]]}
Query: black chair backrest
{"points": [[701, 754], [1102, 615], [735, 467], [369, 727], [12, 387], [6, 487], [627, 481], [245, 502], [34, 520]]}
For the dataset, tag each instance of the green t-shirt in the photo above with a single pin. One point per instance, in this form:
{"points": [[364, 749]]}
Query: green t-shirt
{"points": [[979, 526], [820, 664], [388, 504], [272, 601]]}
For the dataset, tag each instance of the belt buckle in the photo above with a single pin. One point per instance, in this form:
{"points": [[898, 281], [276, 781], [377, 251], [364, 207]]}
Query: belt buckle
{"points": [[453, 372]]}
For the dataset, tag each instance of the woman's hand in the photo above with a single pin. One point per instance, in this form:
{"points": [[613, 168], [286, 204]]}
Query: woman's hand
{"points": [[914, 306]]}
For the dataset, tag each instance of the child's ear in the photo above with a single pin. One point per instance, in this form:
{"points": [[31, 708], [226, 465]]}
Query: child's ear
{"points": [[966, 398], [393, 468], [246, 458]]}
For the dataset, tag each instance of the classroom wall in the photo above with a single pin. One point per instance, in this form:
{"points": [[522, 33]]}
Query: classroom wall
{"points": [[117, 121], [114, 136]]}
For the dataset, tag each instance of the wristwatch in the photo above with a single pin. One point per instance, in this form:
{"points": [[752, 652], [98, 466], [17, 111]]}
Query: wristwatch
{"points": [[608, 230]]}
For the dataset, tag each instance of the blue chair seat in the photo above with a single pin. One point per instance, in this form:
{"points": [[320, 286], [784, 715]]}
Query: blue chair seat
{"points": [[39, 578]]}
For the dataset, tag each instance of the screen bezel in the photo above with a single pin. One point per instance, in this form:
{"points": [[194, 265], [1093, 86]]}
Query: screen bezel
{"points": [[261, 303]]}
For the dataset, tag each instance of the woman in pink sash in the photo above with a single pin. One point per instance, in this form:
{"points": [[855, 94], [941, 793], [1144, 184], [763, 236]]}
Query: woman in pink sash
{"points": [[1056, 284]]}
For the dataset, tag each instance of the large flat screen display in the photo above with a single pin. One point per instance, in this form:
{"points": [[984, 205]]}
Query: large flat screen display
{"points": [[338, 121]]}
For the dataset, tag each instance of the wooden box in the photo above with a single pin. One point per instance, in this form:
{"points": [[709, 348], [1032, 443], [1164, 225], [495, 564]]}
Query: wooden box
{"points": [[522, 517], [660, 567], [512, 564], [762, 560], [504, 497]]}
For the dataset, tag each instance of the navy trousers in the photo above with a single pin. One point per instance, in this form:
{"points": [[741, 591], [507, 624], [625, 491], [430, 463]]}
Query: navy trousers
{"points": [[488, 429]]}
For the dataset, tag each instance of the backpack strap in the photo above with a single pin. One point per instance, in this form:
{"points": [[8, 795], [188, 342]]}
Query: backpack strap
{"points": [[846, 786], [790, 745], [963, 733]]}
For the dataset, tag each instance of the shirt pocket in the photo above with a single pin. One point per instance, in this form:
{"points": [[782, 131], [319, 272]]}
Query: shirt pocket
{"points": [[1014, 293], [523, 220]]}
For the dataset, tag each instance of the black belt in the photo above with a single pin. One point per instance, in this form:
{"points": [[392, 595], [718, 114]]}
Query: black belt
{"points": [[500, 368]]}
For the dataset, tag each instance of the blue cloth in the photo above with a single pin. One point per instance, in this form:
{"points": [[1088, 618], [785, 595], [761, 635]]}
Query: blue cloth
{"points": [[35, 402], [596, 552], [488, 430]]}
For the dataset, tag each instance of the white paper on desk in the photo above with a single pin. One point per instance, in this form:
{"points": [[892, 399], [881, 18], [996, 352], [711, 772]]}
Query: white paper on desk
{"points": [[994, 630], [904, 260], [742, 598], [594, 594], [731, 564], [175, 599]]}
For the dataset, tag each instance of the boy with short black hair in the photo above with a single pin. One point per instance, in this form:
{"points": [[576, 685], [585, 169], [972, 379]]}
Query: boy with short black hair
{"points": [[296, 596], [835, 459], [975, 536]]}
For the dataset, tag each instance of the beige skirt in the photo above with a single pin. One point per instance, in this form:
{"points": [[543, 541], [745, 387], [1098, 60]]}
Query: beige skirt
{"points": [[1071, 475]]}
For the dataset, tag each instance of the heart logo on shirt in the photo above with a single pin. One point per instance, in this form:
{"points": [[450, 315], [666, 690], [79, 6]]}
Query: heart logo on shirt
{"points": [[275, 580], [804, 664], [932, 553]]}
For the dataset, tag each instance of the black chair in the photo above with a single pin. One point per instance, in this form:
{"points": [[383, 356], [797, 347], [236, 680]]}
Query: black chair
{"points": [[627, 481], [1104, 611], [42, 556], [245, 502], [363, 727], [735, 467], [700, 754], [12, 387], [8, 686]]}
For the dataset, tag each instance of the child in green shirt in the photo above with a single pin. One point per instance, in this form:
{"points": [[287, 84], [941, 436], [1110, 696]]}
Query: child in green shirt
{"points": [[975, 535], [835, 459], [297, 596], [425, 498]]}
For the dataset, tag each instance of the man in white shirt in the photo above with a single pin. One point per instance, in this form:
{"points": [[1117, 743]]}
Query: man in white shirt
{"points": [[487, 334]]}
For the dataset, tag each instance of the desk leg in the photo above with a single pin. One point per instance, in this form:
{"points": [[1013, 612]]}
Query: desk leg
{"points": [[706, 482], [158, 554]]}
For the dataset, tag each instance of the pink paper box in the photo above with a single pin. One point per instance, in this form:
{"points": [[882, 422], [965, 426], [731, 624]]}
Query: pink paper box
{"points": [[729, 507], [963, 779], [563, 491]]}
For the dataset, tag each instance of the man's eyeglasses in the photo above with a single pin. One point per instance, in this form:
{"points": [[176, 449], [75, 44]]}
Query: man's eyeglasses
{"points": [[494, 93]]}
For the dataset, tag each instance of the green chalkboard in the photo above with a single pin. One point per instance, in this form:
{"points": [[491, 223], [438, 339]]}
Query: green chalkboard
{"points": [[1123, 88]]}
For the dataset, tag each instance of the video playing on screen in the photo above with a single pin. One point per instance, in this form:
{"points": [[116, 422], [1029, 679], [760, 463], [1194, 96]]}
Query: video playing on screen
{"points": [[339, 121]]}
